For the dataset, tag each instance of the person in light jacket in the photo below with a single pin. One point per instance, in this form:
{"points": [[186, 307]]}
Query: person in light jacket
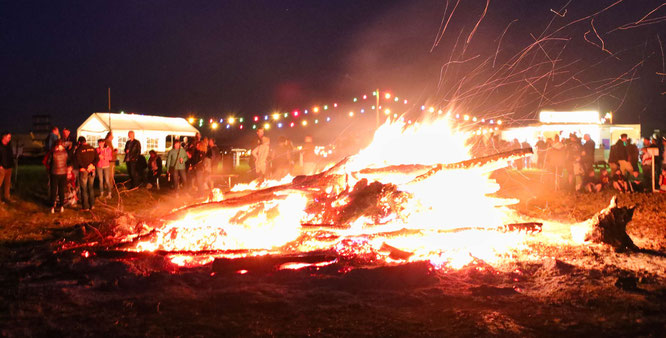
{"points": [[176, 164], [260, 155]]}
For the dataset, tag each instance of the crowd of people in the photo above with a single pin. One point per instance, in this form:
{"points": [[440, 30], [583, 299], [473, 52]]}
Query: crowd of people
{"points": [[629, 168], [73, 166], [274, 161]]}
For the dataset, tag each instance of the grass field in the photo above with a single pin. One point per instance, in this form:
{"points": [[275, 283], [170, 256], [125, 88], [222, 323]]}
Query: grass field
{"points": [[572, 291]]}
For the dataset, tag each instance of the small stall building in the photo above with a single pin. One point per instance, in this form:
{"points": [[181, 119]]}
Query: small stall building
{"points": [[551, 123], [154, 132]]}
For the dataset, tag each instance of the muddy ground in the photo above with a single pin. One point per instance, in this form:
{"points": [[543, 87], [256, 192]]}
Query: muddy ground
{"points": [[573, 290]]}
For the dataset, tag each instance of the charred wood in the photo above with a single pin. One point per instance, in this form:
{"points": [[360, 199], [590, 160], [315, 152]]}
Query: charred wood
{"points": [[609, 226]]}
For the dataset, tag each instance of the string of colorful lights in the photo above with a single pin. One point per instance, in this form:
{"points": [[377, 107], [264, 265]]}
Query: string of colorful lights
{"points": [[321, 114]]}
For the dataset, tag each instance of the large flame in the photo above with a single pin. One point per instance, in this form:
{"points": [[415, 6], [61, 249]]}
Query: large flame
{"points": [[449, 218]]}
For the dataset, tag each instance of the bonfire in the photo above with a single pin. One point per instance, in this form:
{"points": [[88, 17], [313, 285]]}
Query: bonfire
{"points": [[415, 194]]}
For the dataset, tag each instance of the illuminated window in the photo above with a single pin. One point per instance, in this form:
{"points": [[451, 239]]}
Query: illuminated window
{"points": [[152, 143], [121, 143], [91, 140]]}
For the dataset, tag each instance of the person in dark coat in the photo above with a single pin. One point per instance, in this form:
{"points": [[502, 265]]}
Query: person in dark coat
{"points": [[154, 169], [51, 139], [57, 164], [6, 164], [86, 158], [618, 157], [132, 154], [588, 153], [632, 156]]}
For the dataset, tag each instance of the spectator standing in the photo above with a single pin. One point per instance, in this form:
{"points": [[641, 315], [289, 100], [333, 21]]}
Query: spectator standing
{"points": [[68, 141], [309, 158], [58, 164], [214, 154], [256, 142], [541, 148], [283, 161], [519, 163], [655, 141], [154, 169], [619, 157], [51, 139], [527, 159], [114, 156], [632, 155], [6, 164], [206, 164], [556, 156], [86, 158], [574, 168], [260, 155], [104, 168], [588, 152], [646, 162], [195, 170], [176, 159], [132, 154]]}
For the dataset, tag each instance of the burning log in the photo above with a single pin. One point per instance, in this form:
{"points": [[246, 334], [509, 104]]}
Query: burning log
{"points": [[478, 161], [609, 226], [329, 177], [270, 262]]}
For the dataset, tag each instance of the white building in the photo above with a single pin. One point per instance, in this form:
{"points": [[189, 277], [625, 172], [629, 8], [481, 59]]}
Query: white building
{"points": [[154, 132]]}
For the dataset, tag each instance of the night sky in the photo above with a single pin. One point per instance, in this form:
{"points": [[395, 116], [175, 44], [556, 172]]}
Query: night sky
{"points": [[216, 58]]}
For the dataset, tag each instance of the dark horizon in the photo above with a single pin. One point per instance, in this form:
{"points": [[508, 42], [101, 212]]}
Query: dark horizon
{"points": [[246, 57]]}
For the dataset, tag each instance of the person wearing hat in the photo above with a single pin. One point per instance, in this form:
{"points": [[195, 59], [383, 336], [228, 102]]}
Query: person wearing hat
{"points": [[86, 158]]}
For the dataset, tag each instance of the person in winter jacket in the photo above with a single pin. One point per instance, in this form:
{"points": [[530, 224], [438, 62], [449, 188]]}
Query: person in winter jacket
{"points": [[132, 154], [154, 169], [86, 158], [57, 164]]}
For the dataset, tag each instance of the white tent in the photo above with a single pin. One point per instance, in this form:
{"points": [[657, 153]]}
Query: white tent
{"points": [[154, 132]]}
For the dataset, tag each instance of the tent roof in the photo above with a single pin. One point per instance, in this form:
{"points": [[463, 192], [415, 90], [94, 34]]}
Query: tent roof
{"points": [[142, 122]]}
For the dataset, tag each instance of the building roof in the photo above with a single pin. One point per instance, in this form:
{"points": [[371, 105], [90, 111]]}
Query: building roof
{"points": [[99, 122]]}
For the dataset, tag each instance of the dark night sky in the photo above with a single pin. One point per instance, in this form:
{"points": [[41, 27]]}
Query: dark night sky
{"points": [[213, 58]]}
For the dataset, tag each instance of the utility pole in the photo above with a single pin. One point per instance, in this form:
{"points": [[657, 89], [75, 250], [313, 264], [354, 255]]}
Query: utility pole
{"points": [[377, 106], [109, 110]]}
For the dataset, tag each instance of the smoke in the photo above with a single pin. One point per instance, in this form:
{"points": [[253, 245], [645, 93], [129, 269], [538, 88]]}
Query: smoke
{"points": [[513, 58]]}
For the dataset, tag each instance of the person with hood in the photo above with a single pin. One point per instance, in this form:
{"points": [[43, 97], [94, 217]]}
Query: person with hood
{"points": [[6, 164], [58, 164], [86, 158]]}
